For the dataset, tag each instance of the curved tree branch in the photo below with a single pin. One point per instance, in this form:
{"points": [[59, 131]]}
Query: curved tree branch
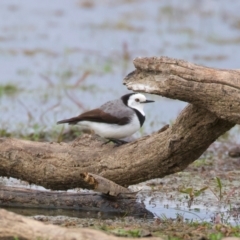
{"points": [[59, 165], [216, 108]]}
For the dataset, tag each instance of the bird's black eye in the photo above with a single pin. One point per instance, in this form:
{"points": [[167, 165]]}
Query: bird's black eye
{"points": [[137, 100]]}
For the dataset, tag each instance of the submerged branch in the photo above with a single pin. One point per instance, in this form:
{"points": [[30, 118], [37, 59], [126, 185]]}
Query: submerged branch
{"points": [[79, 202]]}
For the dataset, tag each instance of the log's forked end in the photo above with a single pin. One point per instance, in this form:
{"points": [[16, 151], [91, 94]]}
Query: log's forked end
{"points": [[89, 179]]}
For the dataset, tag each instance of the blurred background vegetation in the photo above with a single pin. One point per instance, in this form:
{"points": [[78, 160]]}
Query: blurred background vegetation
{"points": [[59, 58]]}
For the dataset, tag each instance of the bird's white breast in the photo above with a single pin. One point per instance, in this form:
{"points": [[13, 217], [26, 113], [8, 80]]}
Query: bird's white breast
{"points": [[113, 130]]}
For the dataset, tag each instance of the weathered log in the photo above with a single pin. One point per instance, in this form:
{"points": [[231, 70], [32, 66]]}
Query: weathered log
{"points": [[60, 166], [103, 185], [79, 202], [13, 226]]}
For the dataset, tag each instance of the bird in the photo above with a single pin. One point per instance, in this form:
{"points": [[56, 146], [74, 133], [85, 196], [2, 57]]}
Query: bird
{"points": [[114, 120]]}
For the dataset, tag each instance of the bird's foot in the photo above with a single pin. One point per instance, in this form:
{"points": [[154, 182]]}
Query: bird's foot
{"points": [[117, 142]]}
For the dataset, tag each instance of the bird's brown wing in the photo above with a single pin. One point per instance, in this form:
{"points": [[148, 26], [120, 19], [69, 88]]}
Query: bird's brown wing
{"points": [[96, 115]]}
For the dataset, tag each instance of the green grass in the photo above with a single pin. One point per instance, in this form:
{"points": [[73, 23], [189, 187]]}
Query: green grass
{"points": [[193, 192], [38, 134], [4, 133], [8, 89], [127, 233]]}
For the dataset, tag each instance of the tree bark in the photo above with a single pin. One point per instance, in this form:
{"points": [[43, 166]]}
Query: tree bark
{"points": [[14, 226], [79, 202], [60, 166]]}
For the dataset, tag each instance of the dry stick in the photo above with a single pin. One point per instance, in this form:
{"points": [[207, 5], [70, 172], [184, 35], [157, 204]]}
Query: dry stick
{"points": [[104, 185], [46, 111], [81, 79], [29, 114], [47, 79], [74, 100]]}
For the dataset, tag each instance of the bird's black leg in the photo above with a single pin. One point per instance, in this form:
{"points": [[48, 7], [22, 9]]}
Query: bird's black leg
{"points": [[117, 142]]}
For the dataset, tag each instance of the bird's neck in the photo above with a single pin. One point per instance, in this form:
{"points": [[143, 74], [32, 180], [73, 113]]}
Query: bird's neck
{"points": [[139, 109], [141, 117]]}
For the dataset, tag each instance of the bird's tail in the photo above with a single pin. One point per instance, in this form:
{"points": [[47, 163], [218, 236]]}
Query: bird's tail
{"points": [[63, 121], [70, 121]]}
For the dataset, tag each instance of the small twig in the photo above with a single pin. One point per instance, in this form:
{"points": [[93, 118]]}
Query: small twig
{"points": [[30, 116], [214, 193], [82, 78], [47, 79], [230, 194], [71, 97], [48, 109]]}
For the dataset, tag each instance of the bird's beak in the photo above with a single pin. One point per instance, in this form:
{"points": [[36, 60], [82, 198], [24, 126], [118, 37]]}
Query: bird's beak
{"points": [[148, 101]]}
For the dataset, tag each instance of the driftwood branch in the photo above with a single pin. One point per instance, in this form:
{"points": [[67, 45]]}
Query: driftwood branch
{"points": [[79, 202], [14, 226], [60, 166], [103, 185]]}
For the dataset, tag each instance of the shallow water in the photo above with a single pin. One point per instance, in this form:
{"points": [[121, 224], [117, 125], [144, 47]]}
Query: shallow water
{"points": [[163, 198], [46, 48]]}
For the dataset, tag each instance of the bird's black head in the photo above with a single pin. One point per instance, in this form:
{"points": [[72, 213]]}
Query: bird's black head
{"points": [[134, 100]]}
